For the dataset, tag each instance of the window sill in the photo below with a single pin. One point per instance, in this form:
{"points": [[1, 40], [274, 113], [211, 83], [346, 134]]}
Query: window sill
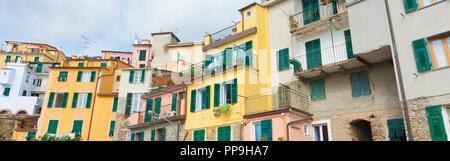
{"points": [[418, 9]]}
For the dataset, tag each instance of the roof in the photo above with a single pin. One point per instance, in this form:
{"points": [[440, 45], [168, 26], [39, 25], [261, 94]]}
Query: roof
{"points": [[40, 44], [110, 51], [165, 33], [185, 44], [249, 6]]}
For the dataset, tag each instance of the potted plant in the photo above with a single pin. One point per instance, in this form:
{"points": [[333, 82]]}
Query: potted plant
{"points": [[292, 22], [170, 83]]}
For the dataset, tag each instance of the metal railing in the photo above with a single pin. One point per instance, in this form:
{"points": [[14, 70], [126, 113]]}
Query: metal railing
{"points": [[281, 99], [222, 34], [324, 11], [316, 58]]}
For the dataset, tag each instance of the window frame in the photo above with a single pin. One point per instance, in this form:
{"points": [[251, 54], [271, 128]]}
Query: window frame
{"points": [[80, 104], [63, 73], [136, 106], [199, 100], [321, 123], [55, 99], [445, 47]]}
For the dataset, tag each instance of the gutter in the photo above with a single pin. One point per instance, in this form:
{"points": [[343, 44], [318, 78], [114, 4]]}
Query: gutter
{"points": [[399, 74]]}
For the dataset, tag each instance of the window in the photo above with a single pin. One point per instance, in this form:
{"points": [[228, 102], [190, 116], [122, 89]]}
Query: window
{"points": [[82, 100], [284, 97], [310, 11], [52, 127], [142, 55], [104, 65], [262, 130], [248, 14], [360, 84], [118, 78], [224, 133], [411, 5], [225, 93], [137, 76], [348, 44], [38, 83], [127, 136], [137, 102], [425, 3], [24, 93], [60, 99], [440, 52], [77, 127], [6, 91], [84, 76], [317, 89], [62, 77], [27, 78], [199, 135], [17, 58], [306, 129], [283, 59], [200, 99], [396, 130], [39, 68], [112, 126], [8, 59], [80, 64], [141, 65], [115, 101], [34, 50], [321, 132], [36, 59]]}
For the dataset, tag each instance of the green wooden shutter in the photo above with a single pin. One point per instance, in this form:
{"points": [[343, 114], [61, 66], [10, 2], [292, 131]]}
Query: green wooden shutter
{"points": [[317, 88], [80, 64], [104, 65], [224, 133], [39, 68], [348, 44], [163, 134], [208, 97], [310, 11], [131, 80], [313, 54], [266, 129], [143, 76], [199, 135], [153, 135], [6, 91], [421, 54], [396, 129], [364, 83], [128, 104], [410, 5], [142, 55], [116, 100], [249, 53], [354, 81], [158, 105], [50, 100], [77, 127], [89, 99], [30, 136], [234, 91], [8, 59], [174, 102], [79, 76], [64, 101], [133, 135], [193, 98], [36, 59], [216, 95], [111, 128], [228, 57], [75, 100], [208, 61], [283, 59], [52, 127], [148, 107], [141, 136], [436, 123], [93, 75]]}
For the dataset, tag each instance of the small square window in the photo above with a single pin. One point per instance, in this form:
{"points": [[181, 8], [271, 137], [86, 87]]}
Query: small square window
{"points": [[248, 14]]}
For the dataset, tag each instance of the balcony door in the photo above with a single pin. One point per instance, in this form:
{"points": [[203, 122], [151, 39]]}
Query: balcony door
{"points": [[313, 54], [310, 11]]}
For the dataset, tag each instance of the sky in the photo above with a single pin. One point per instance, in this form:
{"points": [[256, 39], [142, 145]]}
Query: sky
{"points": [[112, 24]]}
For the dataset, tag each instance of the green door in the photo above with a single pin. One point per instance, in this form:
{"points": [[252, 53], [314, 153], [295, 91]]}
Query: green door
{"points": [[313, 54], [310, 11], [437, 128]]}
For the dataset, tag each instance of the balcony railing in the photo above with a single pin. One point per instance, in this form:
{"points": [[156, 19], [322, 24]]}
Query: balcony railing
{"points": [[314, 13], [282, 98], [222, 34], [321, 57]]}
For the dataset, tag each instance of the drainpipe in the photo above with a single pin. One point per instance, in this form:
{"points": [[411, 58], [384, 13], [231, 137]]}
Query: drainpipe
{"points": [[292, 122], [399, 73]]}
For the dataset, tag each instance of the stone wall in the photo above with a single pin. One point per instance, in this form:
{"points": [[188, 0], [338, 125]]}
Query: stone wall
{"points": [[418, 119], [341, 128], [171, 131], [6, 129]]}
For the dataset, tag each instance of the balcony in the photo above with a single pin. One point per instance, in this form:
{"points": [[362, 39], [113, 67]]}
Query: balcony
{"points": [[283, 98], [223, 34], [216, 64], [322, 62], [317, 19]]}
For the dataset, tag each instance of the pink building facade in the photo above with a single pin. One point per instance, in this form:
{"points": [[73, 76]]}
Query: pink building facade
{"points": [[125, 57], [288, 124], [168, 106], [142, 54]]}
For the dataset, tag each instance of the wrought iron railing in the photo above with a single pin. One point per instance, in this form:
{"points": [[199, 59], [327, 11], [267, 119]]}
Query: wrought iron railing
{"points": [[321, 57], [223, 34], [312, 14], [283, 98]]}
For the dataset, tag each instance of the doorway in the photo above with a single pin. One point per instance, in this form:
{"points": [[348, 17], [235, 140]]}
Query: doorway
{"points": [[362, 130]]}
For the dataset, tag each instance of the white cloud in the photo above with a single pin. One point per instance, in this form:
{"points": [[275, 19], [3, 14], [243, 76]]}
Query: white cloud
{"points": [[112, 24]]}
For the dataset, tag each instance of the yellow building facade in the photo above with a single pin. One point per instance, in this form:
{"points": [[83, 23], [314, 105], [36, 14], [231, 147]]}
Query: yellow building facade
{"points": [[234, 80], [30, 52], [81, 98]]}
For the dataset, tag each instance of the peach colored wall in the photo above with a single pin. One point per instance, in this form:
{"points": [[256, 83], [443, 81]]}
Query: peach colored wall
{"points": [[279, 122]]}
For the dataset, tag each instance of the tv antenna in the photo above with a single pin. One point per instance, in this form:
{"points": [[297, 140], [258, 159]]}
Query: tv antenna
{"points": [[87, 43]]}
